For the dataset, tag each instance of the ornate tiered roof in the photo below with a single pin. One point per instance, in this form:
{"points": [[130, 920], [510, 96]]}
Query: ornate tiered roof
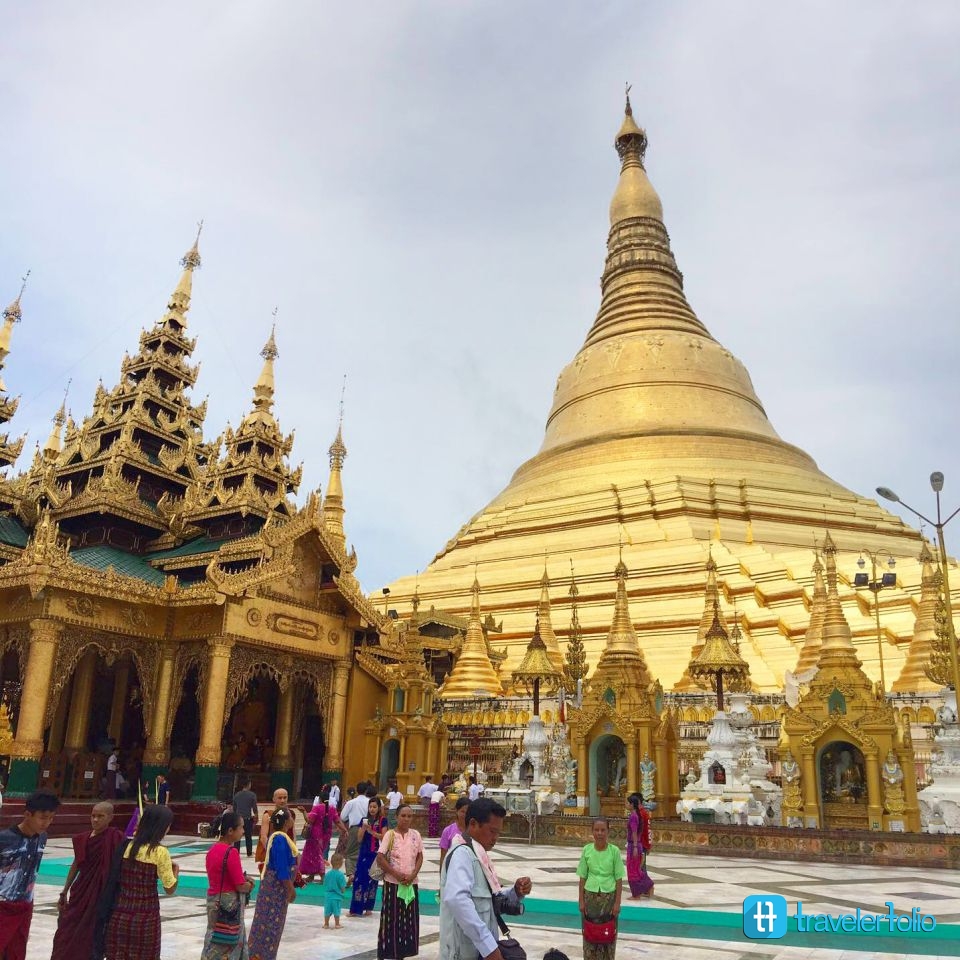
{"points": [[142, 441]]}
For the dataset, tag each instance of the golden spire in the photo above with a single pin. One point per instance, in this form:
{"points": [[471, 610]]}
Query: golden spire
{"points": [[54, 444], [622, 638], [634, 196], [473, 674], [264, 387], [180, 298], [711, 601], [545, 623], [913, 677], [333, 509], [810, 651], [837, 648]]}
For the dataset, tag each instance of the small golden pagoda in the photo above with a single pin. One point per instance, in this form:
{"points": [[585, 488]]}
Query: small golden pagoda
{"points": [[841, 745], [655, 404], [711, 608], [545, 623], [913, 678], [620, 720], [810, 651], [473, 674]]}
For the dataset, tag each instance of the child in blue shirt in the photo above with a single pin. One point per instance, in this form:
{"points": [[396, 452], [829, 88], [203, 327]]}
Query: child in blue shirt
{"points": [[334, 889]]}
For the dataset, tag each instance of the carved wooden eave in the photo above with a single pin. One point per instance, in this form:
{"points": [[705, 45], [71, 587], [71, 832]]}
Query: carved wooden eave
{"points": [[150, 360], [374, 668], [160, 332]]}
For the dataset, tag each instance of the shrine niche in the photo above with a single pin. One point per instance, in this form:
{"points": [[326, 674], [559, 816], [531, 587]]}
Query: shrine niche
{"points": [[856, 764], [608, 775]]}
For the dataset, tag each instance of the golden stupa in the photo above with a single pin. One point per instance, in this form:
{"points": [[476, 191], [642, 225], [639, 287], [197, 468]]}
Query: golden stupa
{"points": [[656, 437], [473, 675]]}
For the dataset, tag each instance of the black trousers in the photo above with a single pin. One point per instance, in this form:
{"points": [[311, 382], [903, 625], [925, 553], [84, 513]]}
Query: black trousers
{"points": [[247, 835]]}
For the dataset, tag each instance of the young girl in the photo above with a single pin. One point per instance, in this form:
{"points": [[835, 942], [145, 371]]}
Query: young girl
{"points": [[334, 888]]}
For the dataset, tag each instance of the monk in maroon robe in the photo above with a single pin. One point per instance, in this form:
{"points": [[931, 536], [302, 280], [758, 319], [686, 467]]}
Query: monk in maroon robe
{"points": [[93, 855]]}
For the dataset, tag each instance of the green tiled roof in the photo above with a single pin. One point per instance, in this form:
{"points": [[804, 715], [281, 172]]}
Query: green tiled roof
{"points": [[126, 564], [200, 545], [12, 532]]}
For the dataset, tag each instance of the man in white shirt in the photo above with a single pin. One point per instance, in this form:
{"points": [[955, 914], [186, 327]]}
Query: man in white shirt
{"points": [[426, 792], [352, 815], [394, 799], [475, 789], [468, 885], [334, 795]]}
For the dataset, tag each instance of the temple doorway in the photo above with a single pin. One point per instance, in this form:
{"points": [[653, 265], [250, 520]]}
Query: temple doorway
{"points": [[185, 736], [249, 734], [608, 774], [842, 775], [99, 709], [389, 762]]}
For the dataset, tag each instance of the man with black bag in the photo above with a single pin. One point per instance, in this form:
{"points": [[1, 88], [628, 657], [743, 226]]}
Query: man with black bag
{"points": [[472, 900]]}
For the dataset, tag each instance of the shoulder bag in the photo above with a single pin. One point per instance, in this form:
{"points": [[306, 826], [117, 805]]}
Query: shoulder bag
{"points": [[226, 927], [510, 948], [376, 871]]}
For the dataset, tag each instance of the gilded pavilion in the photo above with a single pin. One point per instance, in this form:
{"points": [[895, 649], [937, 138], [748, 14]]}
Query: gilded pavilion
{"points": [[165, 594]]}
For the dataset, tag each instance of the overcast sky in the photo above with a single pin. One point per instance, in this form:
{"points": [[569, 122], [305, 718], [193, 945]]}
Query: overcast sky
{"points": [[422, 191]]}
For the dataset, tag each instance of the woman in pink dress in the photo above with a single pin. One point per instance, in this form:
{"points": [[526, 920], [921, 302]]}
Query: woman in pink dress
{"points": [[320, 820], [638, 846]]}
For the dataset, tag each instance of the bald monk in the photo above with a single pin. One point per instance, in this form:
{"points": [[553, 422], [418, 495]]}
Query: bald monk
{"points": [[92, 856], [280, 799]]}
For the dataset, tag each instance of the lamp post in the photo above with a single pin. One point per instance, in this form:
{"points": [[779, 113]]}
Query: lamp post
{"points": [[936, 484], [875, 584]]}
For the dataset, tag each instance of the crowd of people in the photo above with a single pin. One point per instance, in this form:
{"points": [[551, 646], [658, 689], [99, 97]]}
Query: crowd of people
{"points": [[109, 908]]}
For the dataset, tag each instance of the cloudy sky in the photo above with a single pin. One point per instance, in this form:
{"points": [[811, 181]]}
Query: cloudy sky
{"points": [[421, 189]]}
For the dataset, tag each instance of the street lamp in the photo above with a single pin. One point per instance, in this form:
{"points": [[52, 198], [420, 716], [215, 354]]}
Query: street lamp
{"points": [[875, 585], [936, 483]]}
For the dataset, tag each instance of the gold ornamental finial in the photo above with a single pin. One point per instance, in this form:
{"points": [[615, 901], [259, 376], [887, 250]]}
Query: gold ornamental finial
{"points": [[191, 259], [13, 310], [180, 298], [270, 351]]}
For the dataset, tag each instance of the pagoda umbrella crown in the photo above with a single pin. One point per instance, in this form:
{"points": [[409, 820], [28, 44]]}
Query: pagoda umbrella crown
{"points": [[719, 659], [537, 666]]}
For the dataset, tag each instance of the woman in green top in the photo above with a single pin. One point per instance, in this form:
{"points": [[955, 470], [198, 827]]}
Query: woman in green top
{"points": [[601, 874]]}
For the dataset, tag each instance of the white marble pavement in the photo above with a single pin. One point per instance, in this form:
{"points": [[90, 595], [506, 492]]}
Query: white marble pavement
{"points": [[693, 913]]}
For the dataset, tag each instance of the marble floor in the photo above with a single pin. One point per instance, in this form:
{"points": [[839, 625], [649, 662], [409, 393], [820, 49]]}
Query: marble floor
{"points": [[695, 913]]}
